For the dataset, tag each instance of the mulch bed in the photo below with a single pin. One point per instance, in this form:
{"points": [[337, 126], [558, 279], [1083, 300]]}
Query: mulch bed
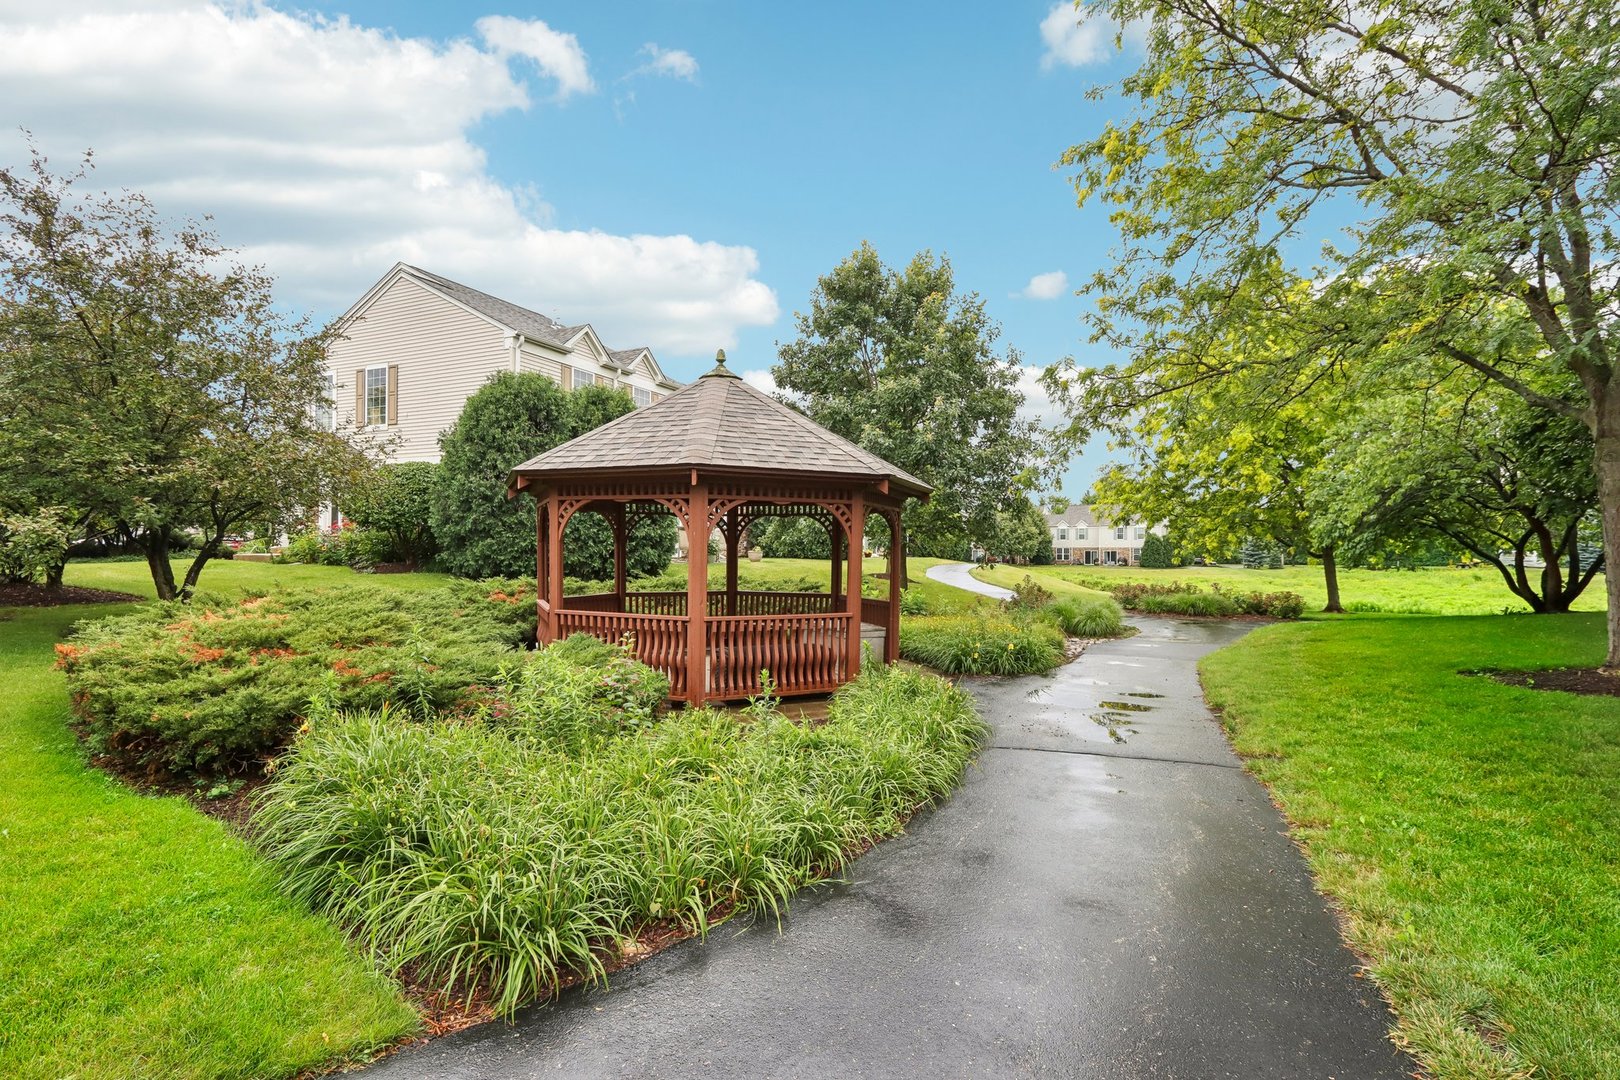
{"points": [[15, 594], [1591, 681]]}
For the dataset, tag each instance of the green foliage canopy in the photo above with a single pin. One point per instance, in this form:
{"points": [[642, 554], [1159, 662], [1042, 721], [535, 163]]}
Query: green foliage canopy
{"points": [[900, 363]]}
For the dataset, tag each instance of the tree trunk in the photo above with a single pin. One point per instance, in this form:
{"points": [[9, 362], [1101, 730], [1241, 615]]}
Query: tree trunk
{"points": [[1330, 576], [1606, 464], [156, 544], [53, 575], [194, 571]]}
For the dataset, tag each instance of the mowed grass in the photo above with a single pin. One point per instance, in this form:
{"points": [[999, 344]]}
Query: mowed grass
{"points": [[139, 938], [1428, 591], [1466, 828], [229, 575]]}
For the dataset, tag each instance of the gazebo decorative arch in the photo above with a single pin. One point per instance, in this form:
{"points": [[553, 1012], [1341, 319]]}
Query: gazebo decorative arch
{"points": [[720, 455]]}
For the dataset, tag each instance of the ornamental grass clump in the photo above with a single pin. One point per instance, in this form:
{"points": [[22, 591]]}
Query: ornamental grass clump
{"points": [[982, 645], [507, 856], [1087, 616]]}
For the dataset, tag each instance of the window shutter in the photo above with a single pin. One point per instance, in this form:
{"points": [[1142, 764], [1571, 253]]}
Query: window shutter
{"points": [[393, 393], [565, 376], [360, 398]]}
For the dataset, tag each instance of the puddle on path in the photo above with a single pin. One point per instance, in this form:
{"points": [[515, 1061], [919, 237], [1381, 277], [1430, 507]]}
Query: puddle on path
{"points": [[1126, 706]]}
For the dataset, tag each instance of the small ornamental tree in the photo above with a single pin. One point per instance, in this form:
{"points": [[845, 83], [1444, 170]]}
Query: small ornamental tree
{"points": [[510, 419], [1157, 553], [398, 500]]}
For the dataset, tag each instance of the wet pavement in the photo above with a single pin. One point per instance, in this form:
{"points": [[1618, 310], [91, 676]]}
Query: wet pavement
{"points": [[1108, 895]]}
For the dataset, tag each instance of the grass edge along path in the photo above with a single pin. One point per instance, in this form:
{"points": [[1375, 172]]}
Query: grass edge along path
{"points": [[1465, 828], [138, 937]]}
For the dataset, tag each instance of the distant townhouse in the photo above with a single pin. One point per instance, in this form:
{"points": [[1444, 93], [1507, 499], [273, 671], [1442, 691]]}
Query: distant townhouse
{"points": [[417, 345], [1080, 537]]}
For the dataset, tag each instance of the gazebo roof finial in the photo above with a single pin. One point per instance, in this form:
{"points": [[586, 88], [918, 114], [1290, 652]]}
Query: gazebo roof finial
{"points": [[720, 371]]}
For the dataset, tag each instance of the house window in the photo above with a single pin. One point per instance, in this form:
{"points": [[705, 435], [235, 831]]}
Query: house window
{"points": [[1141, 532], [1080, 533], [376, 396], [1061, 555], [326, 410], [1063, 534], [643, 397], [1119, 532]]}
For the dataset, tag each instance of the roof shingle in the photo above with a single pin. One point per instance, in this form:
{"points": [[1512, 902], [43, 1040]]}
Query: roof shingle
{"points": [[717, 421]]}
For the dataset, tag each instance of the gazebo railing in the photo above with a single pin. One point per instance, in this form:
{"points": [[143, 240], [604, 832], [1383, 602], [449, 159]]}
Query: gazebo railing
{"points": [[805, 654], [659, 640], [674, 603]]}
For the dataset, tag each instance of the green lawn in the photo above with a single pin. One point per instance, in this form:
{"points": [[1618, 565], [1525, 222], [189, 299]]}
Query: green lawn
{"points": [[1466, 828], [138, 937], [1438, 591], [233, 576]]}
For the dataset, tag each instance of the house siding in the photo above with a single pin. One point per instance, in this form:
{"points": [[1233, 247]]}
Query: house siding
{"points": [[444, 354]]}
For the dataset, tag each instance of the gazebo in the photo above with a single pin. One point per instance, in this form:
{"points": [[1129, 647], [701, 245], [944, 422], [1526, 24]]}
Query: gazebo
{"points": [[720, 456]]}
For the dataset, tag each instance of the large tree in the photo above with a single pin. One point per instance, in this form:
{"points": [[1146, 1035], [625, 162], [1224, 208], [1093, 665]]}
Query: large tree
{"points": [[1462, 461], [900, 363], [1467, 156], [1223, 460], [148, 386]]}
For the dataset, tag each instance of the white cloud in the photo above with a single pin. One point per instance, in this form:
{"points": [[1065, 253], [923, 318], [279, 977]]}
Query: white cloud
{"points": [[328, 150], [672, 63], [1075, 39], [760, 379], [1046, 286], [558, 55], [1038, 405]]}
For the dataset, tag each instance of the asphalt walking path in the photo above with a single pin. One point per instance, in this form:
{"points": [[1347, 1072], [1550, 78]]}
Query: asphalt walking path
{"points": [[961, 575], [1107, 895]]}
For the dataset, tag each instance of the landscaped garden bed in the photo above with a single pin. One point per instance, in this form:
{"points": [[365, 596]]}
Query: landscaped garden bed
{"points": [[494, 822]]}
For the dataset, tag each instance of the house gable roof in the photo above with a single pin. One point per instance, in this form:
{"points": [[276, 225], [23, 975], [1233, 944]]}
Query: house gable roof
{"points": [[717, 421]]}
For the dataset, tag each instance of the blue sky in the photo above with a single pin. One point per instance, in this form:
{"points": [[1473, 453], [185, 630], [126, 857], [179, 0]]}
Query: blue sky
{"points": [[677, 172]]}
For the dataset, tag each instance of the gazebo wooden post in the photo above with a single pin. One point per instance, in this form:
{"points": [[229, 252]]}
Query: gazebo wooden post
{"points": [[857, 544], [554, 560], [542, 613], [733, 534], [835, 533], [891, 636], [621, 541], [697, 591]]}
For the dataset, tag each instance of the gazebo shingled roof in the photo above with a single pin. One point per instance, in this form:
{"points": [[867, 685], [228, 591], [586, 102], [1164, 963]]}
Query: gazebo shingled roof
{"points": [[721, 456], [717, 421]]}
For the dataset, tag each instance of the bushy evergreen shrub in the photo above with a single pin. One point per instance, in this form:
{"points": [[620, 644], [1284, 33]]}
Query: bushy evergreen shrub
{"points": [[510, 419], [218, 684], [1157, 554]]}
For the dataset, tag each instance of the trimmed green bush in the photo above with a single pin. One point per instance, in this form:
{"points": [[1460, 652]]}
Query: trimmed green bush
{"points": [[218, 684], [1087, 616], [978, 645], [397, 503], [1157, 553], [477, 857], [508, 420]]}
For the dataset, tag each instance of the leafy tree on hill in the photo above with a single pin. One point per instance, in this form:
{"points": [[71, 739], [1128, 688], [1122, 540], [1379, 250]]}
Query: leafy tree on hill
{"points": [[508, 420], [1475, 154], [901, 364], [148, 388], [1458, 461]]}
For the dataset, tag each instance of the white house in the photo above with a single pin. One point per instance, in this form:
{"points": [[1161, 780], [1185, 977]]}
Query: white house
{"points": [[1080, 537], [417, 345]]}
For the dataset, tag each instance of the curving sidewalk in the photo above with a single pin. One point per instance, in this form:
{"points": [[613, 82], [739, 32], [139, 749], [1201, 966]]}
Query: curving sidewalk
{"points": [[1108, 895], [961, 576]]}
